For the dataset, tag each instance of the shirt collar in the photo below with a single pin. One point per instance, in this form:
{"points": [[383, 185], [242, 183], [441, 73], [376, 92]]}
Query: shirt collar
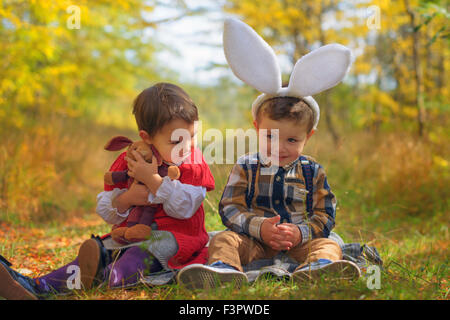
{"points": [[265, 162]]}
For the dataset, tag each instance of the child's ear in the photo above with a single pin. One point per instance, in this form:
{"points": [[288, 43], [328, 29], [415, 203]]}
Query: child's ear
{"points": [[145, 136], [310, 134], [255, 124]]}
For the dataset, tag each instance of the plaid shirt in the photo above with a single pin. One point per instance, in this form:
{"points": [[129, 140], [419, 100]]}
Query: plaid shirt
{"points": [[278, 191]]}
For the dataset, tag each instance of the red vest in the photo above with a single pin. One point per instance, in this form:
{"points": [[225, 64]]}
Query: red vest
{"points": [[190, 233]]}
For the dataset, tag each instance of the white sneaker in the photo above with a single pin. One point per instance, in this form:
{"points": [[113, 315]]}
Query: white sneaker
{"points": [[199, 276], [341, 269]]}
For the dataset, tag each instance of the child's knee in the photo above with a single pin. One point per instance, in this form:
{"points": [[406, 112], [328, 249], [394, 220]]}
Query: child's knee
{"points": [[329, 247], [225, 239]]}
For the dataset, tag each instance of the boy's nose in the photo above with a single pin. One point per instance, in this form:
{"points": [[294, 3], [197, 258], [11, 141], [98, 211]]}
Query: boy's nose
{"points": [[282, 148]]}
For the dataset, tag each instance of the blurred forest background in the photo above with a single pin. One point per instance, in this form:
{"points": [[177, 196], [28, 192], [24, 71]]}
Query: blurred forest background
{"points": [[383, 136]]}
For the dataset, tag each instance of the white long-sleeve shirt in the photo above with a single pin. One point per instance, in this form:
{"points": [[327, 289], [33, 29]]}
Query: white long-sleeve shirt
{"points": [[179, 201]]}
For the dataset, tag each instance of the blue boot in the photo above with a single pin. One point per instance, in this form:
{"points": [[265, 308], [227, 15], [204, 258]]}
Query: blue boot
{"points": [[15, 286]]}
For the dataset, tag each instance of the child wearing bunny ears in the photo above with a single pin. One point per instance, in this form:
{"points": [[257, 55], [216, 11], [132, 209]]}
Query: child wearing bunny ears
{"points": [[278, 200]]}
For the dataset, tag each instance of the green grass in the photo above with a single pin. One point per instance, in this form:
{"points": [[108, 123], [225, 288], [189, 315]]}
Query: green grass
{"points": [[414, 253]]}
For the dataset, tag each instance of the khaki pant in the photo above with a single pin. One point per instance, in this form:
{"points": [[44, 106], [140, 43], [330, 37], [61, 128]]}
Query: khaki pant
{"points": [[238, 250]]}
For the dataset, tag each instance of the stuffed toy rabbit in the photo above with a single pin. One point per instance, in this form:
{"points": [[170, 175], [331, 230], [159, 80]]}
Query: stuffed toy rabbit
{"points": [[253, 61], [140, 218]]}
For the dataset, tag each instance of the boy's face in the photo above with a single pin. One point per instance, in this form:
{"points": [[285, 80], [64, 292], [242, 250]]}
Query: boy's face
{"points": [[174, 141], [291, 138]]}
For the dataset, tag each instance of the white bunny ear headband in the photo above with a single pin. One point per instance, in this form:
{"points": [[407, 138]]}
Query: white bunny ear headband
{"points": [[254, 62]]}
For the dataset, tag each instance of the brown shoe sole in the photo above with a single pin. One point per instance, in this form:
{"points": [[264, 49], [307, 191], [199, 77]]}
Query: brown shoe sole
{"points": [[10, 289], [88, 261]]}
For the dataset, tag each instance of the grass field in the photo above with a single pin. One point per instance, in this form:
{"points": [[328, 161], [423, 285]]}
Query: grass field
{"points": [[392, 194]]}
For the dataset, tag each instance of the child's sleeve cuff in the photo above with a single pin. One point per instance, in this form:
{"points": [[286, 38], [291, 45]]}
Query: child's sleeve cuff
{"points": [[163, 193], [106, 210], [304, 231], [254, 227]]}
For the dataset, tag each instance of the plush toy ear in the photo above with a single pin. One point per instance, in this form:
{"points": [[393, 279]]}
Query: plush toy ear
{"points": [[320, 70], [117, 143], [250, 57], [156, 154]]}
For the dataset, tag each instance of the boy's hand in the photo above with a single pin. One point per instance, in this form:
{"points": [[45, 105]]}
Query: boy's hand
{"points": [[137, 195], [144, 172], [291, 233], [273, 236]]}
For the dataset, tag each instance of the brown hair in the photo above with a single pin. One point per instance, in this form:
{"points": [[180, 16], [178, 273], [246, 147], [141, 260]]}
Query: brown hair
{"points": [[288, 108], [156, 106]]}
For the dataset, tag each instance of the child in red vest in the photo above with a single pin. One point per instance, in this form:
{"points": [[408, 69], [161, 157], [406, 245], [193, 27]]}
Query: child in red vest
{"points": [[165, 116]]}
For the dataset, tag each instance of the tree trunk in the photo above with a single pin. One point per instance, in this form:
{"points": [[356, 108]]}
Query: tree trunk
{"points": [[417, 69], [327, 106], [441, 67], [329, 121], [376, 123]]}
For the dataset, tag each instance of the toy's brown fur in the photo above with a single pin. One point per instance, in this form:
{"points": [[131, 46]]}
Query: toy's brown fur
{"points": [[140, 218]]}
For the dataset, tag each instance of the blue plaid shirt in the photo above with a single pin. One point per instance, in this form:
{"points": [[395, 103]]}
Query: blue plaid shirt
{"points": [[278, 191]]}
